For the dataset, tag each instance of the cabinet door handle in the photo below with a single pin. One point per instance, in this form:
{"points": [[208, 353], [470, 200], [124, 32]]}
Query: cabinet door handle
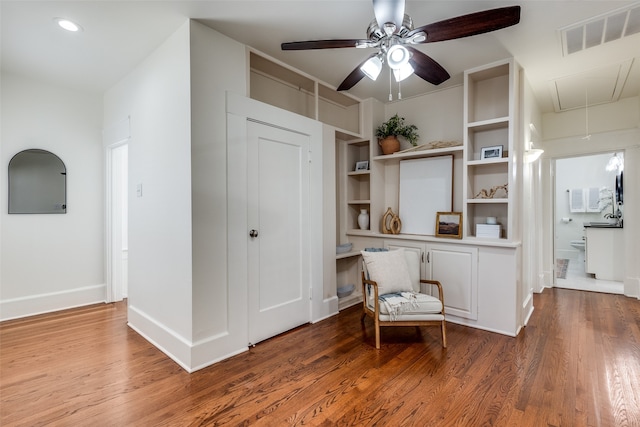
{"points": [[253, 233], [422, 257], [428, 258]]}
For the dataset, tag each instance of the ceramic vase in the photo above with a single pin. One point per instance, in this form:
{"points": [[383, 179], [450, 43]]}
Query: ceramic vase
{"points": [[389, 145], [363, 219]]}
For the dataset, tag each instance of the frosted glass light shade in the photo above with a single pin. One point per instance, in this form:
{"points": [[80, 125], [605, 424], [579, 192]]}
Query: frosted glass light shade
{"points": [[372, 68], [398, 56], [403, 73]]}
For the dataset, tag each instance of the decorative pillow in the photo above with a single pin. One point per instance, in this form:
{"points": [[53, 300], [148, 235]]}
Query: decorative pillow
{"points": [[389, 270]]}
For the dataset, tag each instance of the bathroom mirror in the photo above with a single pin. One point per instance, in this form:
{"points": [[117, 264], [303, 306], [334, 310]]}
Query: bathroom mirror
{"points": [[37, 183]]}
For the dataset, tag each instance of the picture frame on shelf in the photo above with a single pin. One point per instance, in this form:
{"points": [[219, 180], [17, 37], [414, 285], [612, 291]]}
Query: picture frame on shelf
{"points": [[449, 224], [493, 152], [362, 165]]}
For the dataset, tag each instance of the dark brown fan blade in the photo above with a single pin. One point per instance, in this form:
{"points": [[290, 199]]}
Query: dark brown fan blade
{"points": [[389, 11], [426, 68], [470, 25], [355, 76], [320, 44]]}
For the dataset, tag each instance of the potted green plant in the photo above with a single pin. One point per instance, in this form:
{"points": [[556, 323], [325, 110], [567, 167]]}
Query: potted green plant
{"points": [[389, 131]]}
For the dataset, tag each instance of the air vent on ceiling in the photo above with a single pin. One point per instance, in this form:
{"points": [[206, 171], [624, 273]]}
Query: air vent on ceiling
{"points": [[601, 29]]}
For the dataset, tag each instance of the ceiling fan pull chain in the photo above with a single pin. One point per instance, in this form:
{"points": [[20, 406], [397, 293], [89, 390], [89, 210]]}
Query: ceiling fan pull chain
{"points": [[390, 96], [587, 136], [399, 91]]}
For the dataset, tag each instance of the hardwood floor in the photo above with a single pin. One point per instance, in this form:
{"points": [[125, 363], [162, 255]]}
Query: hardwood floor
{"points": [[577, 363]]}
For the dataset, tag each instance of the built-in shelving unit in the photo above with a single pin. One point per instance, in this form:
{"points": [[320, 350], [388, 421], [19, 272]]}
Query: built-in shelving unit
{"points": [[489, 121], [357, 189], [348, 270], [277, 84], [480, 274], [353, 193]]}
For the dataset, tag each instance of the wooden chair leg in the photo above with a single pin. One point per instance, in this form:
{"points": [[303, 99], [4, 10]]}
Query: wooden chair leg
{"points": [[377, 327], [444, 335]]}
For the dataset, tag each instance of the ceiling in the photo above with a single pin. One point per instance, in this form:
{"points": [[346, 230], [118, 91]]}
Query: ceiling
{"points": [[117, 35]]}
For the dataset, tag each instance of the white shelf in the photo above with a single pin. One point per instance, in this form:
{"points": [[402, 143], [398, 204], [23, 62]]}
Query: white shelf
{"points": [[358, 142], [419, 154], [351, 300], [495, 123], [362, 172], [487, 201], [488, 161], [348, 255], [358, 202]]}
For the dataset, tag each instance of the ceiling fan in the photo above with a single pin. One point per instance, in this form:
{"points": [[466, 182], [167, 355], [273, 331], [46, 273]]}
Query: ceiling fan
{"points": [[392, 33]]}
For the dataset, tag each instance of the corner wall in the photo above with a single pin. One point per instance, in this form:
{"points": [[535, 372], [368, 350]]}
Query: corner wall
{"points": [[156, 96], [219, 316], [52, 262]]}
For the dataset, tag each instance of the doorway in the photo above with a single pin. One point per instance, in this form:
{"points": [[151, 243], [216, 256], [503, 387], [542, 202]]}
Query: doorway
{"points": [[117, 222], [585, 192]]}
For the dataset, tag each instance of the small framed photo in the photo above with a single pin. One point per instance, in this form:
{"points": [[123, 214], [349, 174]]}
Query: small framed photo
{"points": [[449, 224], [494, 152], [362, 166]]}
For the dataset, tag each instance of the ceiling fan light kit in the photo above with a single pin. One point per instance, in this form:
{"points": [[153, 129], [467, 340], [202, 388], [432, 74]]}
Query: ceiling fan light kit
{"points": [[392, 33], [372, 67]]}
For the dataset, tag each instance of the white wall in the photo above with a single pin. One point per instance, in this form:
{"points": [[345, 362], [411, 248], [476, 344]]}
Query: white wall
{"points": [[52, 262], [156, 96], [217, 306], [624, 114], [438, 115]]}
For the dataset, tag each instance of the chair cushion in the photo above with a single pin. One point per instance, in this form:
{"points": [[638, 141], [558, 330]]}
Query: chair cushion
{"points": [[389, 270], [412, 317], [415, 304]]}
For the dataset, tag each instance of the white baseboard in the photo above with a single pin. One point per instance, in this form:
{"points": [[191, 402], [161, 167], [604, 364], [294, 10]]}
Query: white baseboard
{"points": [[32, 305], [470, 323], [328, 308], [191, 356], [632, 287], [166, 340]]}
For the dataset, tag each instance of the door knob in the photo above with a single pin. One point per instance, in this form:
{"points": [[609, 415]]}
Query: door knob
{"points": [[253, 233]]}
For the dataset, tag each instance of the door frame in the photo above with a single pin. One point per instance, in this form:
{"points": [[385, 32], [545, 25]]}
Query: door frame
{"points": [[113, 137]]}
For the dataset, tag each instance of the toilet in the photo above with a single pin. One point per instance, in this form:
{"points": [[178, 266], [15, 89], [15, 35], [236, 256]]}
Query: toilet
{"points": [[578, 244]]}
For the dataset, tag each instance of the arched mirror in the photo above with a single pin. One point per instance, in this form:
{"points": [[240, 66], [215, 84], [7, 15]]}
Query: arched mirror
{"points": [[37, 183]]}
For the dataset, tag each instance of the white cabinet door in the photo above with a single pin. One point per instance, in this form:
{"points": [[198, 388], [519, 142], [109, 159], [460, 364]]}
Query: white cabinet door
{"points": [[278, 230], [456, 268]]}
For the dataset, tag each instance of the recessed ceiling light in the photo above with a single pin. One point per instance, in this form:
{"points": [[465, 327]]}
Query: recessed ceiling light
{"points": [[67, 25]]}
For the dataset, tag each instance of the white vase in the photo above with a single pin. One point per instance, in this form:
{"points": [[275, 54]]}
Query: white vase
{"points": [[363, 220]]}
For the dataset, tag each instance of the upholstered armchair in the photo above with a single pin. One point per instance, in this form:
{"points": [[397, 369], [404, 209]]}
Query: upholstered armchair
{"points": [[394, 294]]}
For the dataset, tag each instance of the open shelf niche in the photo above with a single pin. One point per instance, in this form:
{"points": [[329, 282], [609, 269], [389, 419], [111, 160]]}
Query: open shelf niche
{"points": [[489, 121], [277, 84]]}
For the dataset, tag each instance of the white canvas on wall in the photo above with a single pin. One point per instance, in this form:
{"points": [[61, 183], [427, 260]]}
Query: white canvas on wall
{"points": [[425, 189]]}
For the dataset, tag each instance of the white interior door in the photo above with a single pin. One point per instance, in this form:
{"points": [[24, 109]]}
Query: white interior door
{"points": [[278, 230]]}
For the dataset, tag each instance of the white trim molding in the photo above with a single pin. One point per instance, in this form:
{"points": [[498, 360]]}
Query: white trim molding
{"points": [[32, 305]]}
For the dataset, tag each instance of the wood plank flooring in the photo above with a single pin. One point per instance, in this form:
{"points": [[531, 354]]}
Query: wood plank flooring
{"points": [[577, 363]]}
